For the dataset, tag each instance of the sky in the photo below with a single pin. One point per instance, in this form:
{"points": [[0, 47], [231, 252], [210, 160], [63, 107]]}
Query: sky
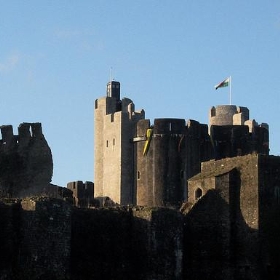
{"points": [[57, 56]]}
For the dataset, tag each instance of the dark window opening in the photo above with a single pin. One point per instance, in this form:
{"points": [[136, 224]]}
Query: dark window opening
{"points": [[198, 193]]}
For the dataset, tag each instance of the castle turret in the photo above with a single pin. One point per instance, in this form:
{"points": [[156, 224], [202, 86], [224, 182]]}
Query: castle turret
{"points": [[233, 134], [113, 90], [228, 115]]}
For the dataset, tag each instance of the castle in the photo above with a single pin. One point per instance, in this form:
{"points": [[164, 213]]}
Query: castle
{"points": [[139, 163], [171, 200]]}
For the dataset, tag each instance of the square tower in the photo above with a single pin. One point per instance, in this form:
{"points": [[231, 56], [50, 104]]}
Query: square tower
{"points": [[115, 121]]}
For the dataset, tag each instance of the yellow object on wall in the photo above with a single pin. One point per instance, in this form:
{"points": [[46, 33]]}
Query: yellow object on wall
{"points": [[149, 135]]}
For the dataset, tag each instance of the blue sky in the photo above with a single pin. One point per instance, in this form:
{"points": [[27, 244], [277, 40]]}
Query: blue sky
{"points": [[56, 56]]}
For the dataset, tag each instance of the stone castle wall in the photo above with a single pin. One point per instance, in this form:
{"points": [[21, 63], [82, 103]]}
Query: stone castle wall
{"points": [[26, 165], [46, 239], [234, 219]]}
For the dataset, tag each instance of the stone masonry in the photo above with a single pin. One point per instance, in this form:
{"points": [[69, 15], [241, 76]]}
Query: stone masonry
{"points": [[25, 161]]}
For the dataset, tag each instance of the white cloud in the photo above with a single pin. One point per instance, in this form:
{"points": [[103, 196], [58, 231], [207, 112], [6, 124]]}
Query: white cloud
{"points": [[9, 63]]}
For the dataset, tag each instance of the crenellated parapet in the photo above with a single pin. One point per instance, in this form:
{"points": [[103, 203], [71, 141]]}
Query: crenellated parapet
{"points": [[26, 165], [25, 132]]}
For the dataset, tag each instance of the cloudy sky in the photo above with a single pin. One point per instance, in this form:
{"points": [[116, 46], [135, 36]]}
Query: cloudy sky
{"points": [[56, 56]]}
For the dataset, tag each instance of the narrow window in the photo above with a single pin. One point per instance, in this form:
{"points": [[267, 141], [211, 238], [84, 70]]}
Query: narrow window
{"points": [[114, 142], [170, 126], [138, 175], [198, 193], [277, 194], [107, 143]]}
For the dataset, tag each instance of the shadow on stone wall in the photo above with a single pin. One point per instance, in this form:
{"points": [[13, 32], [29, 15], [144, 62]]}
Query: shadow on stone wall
{"points": [[119, 244], [35, 239], [100, 244], [46, 238], [218, 243], [10, 238], [271, 235]]}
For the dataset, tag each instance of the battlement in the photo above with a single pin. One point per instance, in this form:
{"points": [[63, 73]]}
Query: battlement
{"points": [[83, 193], [30, 130], [169, 126], [8, 137], [166, 126], [26, 131]]}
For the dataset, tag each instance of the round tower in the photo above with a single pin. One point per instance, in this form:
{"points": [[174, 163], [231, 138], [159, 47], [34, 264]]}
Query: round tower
{"points": [[228, 115], [160, 159]]}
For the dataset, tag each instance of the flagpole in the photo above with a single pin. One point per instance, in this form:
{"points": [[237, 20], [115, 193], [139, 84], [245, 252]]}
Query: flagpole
{"points": [[229, 90]]}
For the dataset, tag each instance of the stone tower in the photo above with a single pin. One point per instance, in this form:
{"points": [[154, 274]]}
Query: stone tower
{"points": [[115, 121], [234, 134], [168, 153], [161, 161]]}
